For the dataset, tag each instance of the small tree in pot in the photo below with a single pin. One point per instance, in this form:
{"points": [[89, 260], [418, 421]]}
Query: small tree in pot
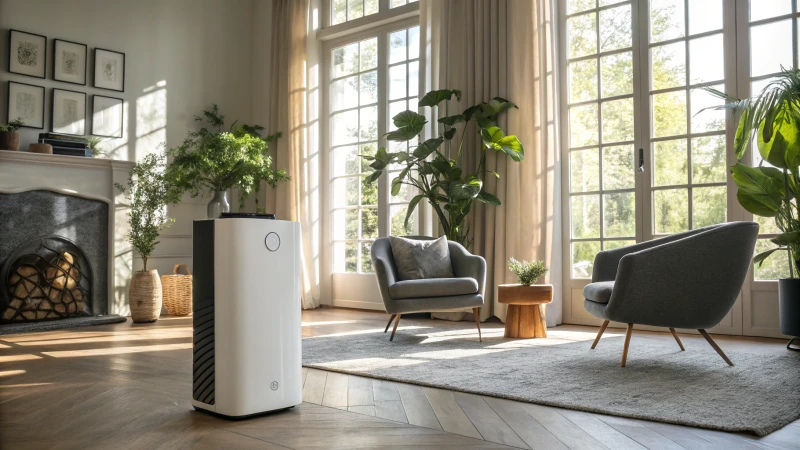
{"points": [[149, 193], [9, 138]]}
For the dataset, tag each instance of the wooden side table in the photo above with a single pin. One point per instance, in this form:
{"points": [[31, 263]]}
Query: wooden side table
{"points": [[526, 309]]}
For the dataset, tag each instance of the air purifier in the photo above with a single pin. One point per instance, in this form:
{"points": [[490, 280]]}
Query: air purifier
{"points": [[246, 304]]}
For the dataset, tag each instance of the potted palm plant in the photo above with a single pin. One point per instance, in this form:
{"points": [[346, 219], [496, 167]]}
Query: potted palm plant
{"points": [[214, 159], [9, 138], [771, 189], [433, 167], [149, 192]]}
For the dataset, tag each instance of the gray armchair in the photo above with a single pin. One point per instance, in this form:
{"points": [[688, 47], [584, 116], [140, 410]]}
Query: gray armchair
{"points": [[687, 280], [434, 294]]}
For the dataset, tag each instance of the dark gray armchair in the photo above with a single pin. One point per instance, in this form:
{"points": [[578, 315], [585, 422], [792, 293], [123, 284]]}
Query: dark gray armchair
{"points": [[687, 280], [433, 294]]}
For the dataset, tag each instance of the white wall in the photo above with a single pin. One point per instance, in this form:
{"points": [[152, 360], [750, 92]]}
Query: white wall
{"points": [[181, 56]]}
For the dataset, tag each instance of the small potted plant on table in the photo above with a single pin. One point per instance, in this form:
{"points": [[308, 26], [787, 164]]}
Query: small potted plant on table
{"points": [[149, 193], [9, 138], [526, 301]]}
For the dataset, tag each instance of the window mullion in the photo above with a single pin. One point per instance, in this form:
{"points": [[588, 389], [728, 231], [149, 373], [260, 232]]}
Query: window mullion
{"points": [[383, 113]]}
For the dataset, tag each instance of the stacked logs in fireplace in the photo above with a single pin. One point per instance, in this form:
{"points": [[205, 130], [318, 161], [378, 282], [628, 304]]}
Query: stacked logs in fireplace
{"points": [[50, 279]]}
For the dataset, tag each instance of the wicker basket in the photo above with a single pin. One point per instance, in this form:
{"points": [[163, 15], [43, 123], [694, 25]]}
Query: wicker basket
{"points": [[178, 291]]}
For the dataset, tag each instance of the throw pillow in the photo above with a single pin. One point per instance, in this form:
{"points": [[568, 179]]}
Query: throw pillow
{"points": [[421, 259]]}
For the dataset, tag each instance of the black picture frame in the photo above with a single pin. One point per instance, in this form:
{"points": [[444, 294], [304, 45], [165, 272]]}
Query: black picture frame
{"points": [[53, 110], [43, 58], [8, 103], [102, 84], [56, 71], [94, 112]]}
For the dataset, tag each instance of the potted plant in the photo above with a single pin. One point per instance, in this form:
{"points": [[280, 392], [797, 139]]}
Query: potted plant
{"points": [[771, 190], [213, 159], [525, 317], [433, 166], [149, 192], [93, 142], [9, 138]]}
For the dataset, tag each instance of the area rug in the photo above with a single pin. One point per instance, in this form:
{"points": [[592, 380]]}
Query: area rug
{"points": [[51, 325], [760, 394]]}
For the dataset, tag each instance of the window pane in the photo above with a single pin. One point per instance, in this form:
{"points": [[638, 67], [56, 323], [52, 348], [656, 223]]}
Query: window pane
{"points": [[671, 210], [666, 20], [370, 7], [765, 56], [345, 192], [574, 6], [366, 259], [583, 80], [367, 149], [618, 167], [617, 120], [397, 82], [369, 88], [615, 28], [618, 214], [344, 127], [582, 35], [583, 125], [616, 72], [585, 216], [355, 9], [413, 79], [405, 193], [345, 161], [708, 120], [611, 245], [339, 11], [706, 59], [413, 43], [396, 3], [344, 93], [584, 170], [669, 114], [764, 9], [369, 193], [670, 162], [705, 15], [369, 123], [345, 224], [669, 65], [397, 46], [583, 254], [709, 206], [369, 223], [351, 256], [775, 267], [345, 60], [708, 159], [398, 217], [369, 54]]}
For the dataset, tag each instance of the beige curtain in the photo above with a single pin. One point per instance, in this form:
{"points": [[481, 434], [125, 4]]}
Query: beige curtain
{"points": [[504, 48], [288, 114]]}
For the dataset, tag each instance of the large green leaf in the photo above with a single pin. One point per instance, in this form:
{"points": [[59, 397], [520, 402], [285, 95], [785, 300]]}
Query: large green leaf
{"points": [[449, 134], [742, 137], [433, 98], [468, 190], [759, 258], [496, 106], [488, 198], [397, 183], [411, 206], [409, 124], [428, 147], [494, 138], [784, 138], [788, 238], [371, 178], [758, 193], [452, 120]]}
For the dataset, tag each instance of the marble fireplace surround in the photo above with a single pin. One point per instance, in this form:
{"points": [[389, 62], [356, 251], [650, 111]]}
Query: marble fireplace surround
{"points": [[89, 178]]}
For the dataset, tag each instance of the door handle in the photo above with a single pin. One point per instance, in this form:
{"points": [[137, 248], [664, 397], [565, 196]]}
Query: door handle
{"points": [[641, 160]]}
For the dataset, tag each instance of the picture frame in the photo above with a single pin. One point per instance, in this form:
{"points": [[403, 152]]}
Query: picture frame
{"points": [[27, 54], [26, 101], [109, 70], [107, 116], [69, 61], [68, 112]]}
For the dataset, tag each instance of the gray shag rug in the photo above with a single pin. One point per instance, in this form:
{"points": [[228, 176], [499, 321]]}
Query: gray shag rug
{"points": [[51, 325], [760, 394]]}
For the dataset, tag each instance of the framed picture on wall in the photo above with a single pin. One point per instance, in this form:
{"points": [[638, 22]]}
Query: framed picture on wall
{"points": [[27, 53], [69, 61], [109, 70], [68, 112], [107, 116], [26, 101]]}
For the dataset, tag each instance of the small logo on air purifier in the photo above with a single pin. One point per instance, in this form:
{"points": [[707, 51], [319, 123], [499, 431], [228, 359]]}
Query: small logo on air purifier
{"points": [[274, 386]]}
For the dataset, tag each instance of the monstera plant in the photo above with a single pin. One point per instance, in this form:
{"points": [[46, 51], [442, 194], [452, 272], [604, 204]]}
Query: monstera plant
{"points": [[434, 167]]}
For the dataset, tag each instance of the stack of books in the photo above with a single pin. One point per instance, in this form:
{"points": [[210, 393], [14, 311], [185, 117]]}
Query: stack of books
{"points": [[66, 145]]}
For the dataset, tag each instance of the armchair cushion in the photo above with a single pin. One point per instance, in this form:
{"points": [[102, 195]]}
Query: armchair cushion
{"points": [[433, 287], [598, 292], [421, 259]]}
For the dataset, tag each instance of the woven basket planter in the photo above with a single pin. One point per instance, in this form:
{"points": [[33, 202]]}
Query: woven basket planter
{"points": [[145, 296], [177, 289]]}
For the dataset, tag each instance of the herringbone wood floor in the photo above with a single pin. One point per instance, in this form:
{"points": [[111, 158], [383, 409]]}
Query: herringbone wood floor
{"points": [[128, 386]]}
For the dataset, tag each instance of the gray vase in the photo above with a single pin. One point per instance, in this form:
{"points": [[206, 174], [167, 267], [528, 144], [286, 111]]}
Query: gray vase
{"points": [[218, 205]]}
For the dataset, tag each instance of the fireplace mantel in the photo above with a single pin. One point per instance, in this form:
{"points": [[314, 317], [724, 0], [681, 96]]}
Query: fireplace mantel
{"points": [[91, 178]]}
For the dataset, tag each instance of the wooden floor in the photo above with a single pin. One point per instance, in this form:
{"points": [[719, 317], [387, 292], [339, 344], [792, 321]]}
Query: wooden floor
{"points": [[128, 386]]}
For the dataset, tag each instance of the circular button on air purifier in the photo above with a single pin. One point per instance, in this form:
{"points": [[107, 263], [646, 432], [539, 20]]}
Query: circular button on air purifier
{"points": [[272, 241]]}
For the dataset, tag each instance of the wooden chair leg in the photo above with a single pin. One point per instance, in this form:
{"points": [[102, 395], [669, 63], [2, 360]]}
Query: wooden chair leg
{"points": [[675, 335], [627, 342], [599, 333], [391, 338], [390, 322], [716, 347], [477, 314]]}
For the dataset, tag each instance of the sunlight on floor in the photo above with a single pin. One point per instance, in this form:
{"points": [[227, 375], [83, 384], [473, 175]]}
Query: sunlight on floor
{"points": [[176, 334], [117, 350], [333, 322], [372, 363], [354, 333], [10, 386], [15, 358], [10, 373]]}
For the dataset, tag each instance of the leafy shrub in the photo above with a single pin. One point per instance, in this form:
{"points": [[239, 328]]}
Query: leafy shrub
{"points": [[527, 272], [14, 125]]}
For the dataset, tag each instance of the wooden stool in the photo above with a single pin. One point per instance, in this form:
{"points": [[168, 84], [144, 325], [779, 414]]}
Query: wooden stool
{"points": [[526, 316]]}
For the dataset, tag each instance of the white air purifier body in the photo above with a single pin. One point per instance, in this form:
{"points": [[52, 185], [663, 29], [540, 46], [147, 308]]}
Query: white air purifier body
{"points": [[247, 326]]}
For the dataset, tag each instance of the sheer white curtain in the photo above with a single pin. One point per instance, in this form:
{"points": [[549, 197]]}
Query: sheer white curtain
{"points": [[504, 48]]}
